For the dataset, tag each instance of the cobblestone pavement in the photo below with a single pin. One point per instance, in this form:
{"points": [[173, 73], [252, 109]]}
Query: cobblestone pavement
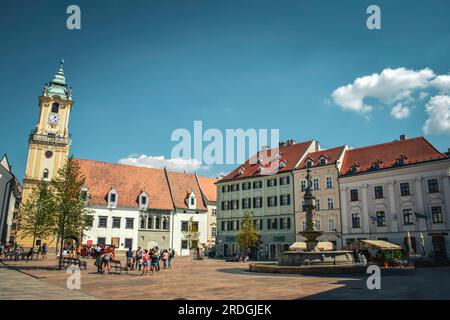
{"points": [[214, 279], [16, 285]]}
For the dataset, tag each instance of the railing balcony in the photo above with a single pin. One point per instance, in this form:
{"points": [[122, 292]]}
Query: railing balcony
{"points": [[50, 139]]}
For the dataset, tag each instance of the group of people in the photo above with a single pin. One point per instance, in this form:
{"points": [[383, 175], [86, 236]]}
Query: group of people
{"points": [[16, 252], [146, 260]]}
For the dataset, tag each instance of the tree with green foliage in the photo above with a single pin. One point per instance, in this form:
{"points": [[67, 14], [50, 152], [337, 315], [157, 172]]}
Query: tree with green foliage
{"points": [[38, 213], [72, 214], [247, 237]]}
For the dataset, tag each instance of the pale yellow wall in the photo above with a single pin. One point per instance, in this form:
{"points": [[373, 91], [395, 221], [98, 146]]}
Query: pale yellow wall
{"points": [[321, 173]]}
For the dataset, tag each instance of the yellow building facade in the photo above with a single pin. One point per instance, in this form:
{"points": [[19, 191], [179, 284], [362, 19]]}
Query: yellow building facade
{"points": [[49, 142]]}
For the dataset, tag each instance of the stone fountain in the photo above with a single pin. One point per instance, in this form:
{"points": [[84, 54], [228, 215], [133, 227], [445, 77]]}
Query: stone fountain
{"points": [[311, 261]]}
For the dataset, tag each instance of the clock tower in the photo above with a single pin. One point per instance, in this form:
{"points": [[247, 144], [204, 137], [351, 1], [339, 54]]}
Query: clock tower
{"points": [[49, 141]]}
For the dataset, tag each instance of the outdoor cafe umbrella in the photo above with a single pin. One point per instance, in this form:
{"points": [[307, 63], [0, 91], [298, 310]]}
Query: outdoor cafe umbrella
{"points": [[408, 241], [422, 242]]}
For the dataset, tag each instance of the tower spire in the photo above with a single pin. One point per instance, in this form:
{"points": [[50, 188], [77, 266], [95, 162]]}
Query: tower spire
{"points": [[58, 86]]}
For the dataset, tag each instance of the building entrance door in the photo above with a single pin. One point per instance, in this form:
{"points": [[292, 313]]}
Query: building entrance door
{"points": [[273, 251], [225, 250], [439, 248]]}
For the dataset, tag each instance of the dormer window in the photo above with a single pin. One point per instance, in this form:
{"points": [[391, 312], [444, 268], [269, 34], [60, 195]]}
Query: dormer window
{"points": [[323, 161], [401, 160], [354, 168], [192, 201], [377, 164], [309, 163], [112, 198], [143, 200], [278, 156], [260, 168], [241, 171], [258, 160], [282, 164]]}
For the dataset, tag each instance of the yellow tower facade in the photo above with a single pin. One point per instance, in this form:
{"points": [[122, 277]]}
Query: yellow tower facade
{"points": [[49, 142]]}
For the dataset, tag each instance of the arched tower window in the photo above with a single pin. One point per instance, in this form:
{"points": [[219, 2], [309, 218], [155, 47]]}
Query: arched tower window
{"points": [[150, 223], [55, 107], [158, 223], [45, 174]]}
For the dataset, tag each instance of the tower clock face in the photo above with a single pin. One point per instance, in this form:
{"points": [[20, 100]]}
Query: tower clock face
{"points": [[53, 118]]}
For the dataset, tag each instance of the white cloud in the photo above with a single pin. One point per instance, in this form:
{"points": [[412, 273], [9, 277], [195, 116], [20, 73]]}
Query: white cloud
{"points": [[438, 109], [400, 112], [389, 86], [442, 83], [176, 164]]}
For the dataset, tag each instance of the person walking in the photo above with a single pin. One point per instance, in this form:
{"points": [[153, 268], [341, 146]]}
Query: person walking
{"points": [[44, 251], [146, 262], [130, 259], [139, 258], [154, 261], [171, 257], [165, 257]]}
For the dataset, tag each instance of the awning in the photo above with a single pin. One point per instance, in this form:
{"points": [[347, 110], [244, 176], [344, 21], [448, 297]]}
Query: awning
{"points": [[374, 244], [301, 246]]}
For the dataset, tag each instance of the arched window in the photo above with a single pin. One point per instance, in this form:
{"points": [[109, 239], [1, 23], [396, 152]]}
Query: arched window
{"points": [[45, 174], [157, 223], [55, 107], [112, 198], [150, 223], [142, 223], [165, 224]]}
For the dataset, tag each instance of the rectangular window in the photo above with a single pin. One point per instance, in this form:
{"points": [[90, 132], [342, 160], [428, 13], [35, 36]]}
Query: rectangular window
{"points": [[330, 204], [272, 201], [246, 203], [331, 225], [184, 244], [404, 189], [89, 221], [225, 205], [101, 240], [230, 225], [272, 224], [318, 204], [329, 183], [102, 222], [234, 204], [303, 185], [224, 189], [316, 185], [378, 192], [116, 223], [214, 231], [381, 218], [408, 216], [285, 199], [356, 220], [433, 186], [214, 212], [318, 224], [354, 195], [246, 186], [303, 206], [143, 200], [234, 187], [436, 214], [271, 182], [129, 223], [284, 181], [128, 243], [257, 202], [257, 184], [184, 226], [224, 226]]}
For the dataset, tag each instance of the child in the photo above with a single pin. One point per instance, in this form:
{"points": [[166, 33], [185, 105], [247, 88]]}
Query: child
{"points": [[146, 262]]}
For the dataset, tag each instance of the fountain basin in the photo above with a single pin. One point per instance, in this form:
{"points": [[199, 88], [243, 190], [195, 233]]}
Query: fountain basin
{"points": [[316, 258]]}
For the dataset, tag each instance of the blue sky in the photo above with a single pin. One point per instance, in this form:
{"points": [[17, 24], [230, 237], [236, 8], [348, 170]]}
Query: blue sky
{"points": [[141, 69]]}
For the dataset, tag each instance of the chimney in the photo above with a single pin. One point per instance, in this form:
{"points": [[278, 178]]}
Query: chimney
{"points": [[290, 142], [403, 137], [281, 144]]}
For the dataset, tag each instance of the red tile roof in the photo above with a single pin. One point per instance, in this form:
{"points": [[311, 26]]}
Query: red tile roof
{"points": [[181, 185], [332, 156], [291, 154], [415, 150], [128, 181], [208, 187]]}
